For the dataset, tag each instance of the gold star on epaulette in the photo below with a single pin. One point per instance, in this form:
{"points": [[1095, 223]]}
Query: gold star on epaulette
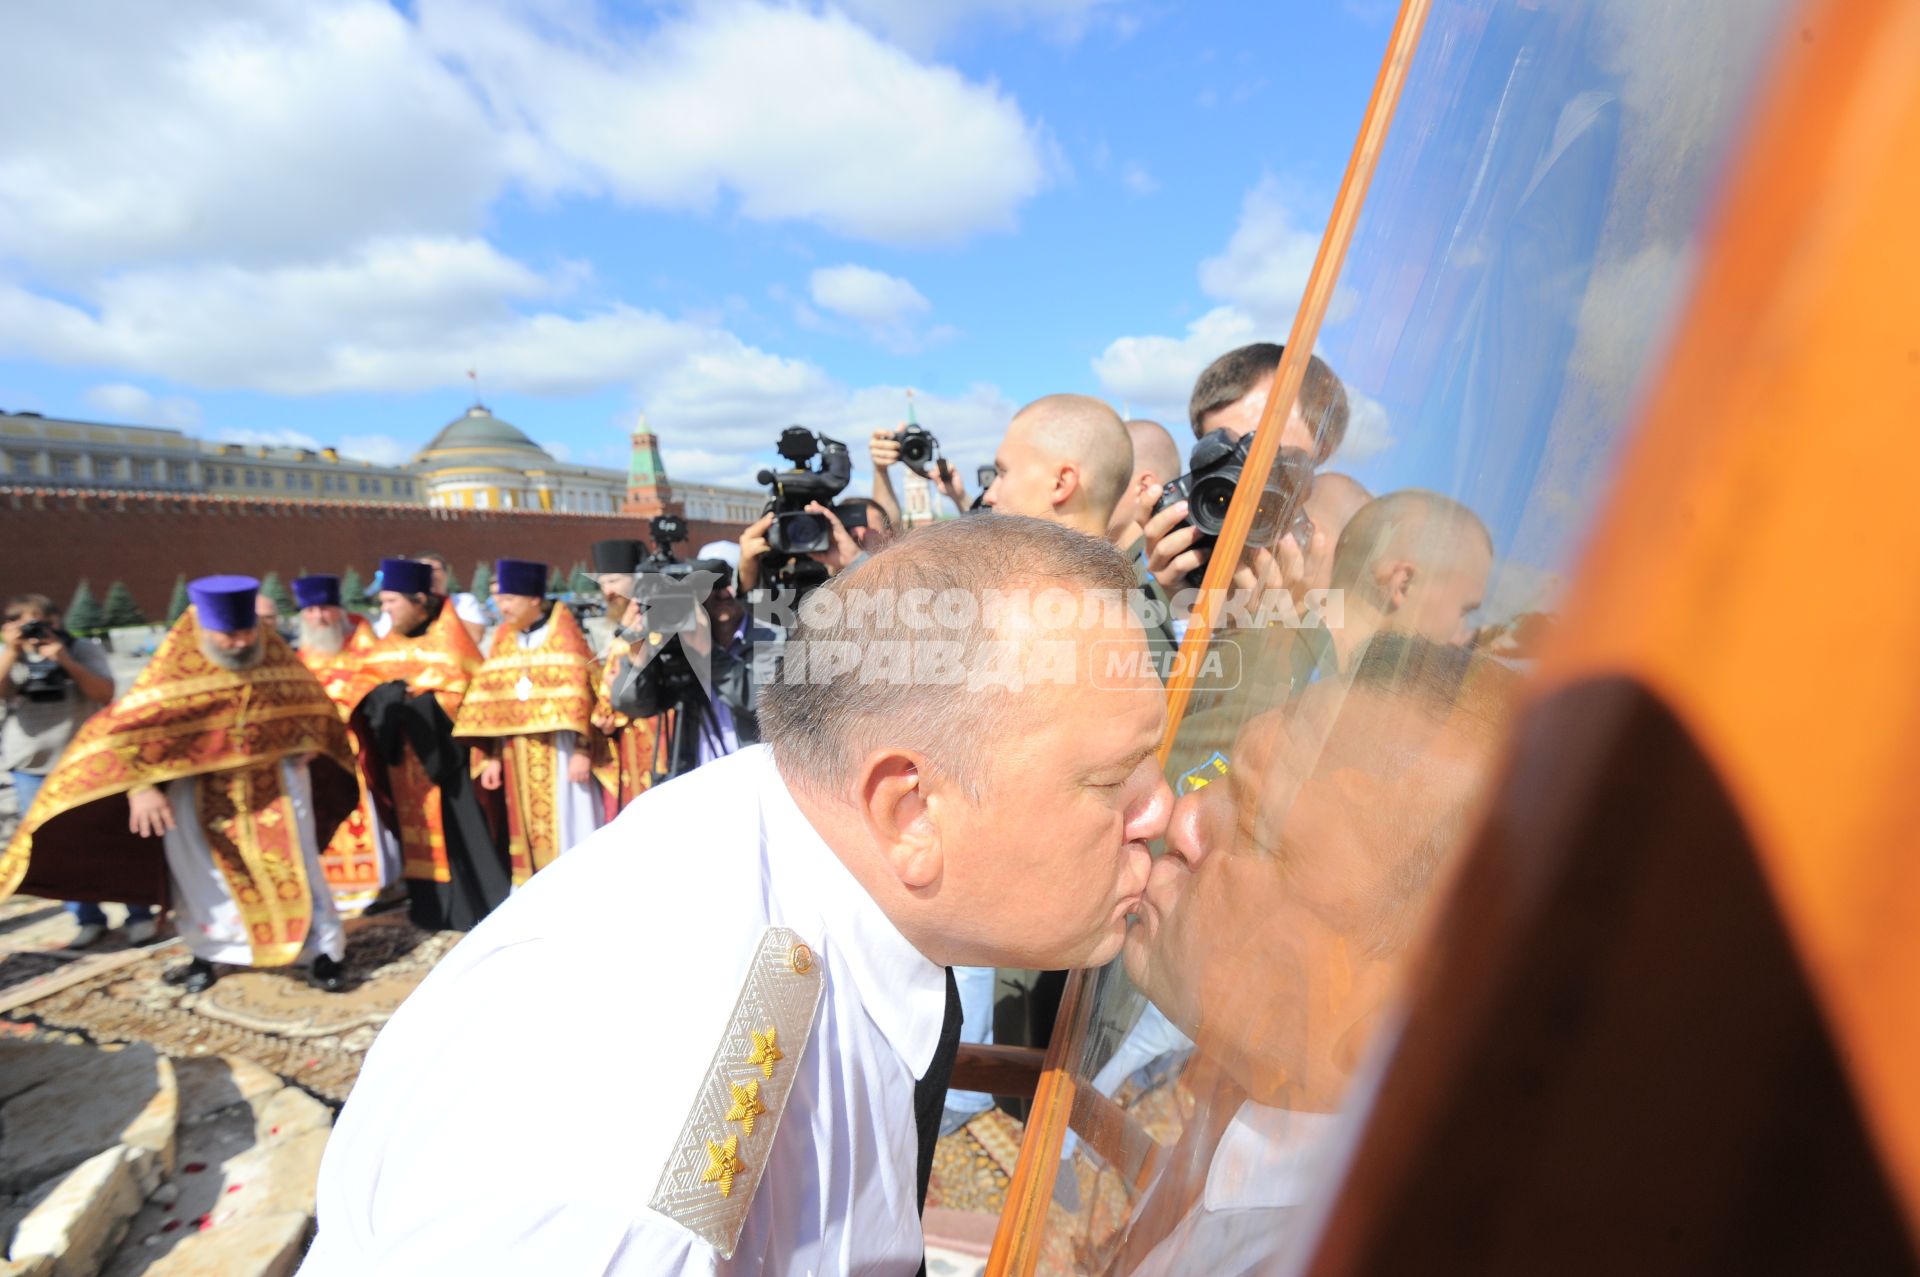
{"points": [[766, 1052], [746, 1105], [723, 1163]]}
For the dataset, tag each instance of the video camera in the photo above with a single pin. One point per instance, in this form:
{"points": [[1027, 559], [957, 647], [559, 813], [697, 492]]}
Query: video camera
{"points": [[1208, 490], [795, 530], [662, 583]]}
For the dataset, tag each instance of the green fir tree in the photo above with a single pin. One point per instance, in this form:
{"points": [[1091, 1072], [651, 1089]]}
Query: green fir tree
{"points": [[557, 583], [580, 582], [453, 583], [274, 588], [177, 601], [121, 611], [482, 582], [84, 614], [353, 591]]}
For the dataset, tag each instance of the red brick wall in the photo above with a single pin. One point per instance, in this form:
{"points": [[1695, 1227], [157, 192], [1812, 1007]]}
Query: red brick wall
{"points": [[50, 539]]}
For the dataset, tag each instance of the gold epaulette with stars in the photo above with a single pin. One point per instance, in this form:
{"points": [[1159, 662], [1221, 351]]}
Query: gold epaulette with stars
{"points": [[717, 1162]]}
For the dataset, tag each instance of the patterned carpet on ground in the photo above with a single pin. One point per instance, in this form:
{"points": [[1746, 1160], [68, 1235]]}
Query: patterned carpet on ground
{"points": [[274, 1018]]}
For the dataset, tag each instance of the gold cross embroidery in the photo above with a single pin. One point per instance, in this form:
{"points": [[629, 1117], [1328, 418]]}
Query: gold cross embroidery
{"points": [[746, 1105], [766, 1053], [723, 1163]]}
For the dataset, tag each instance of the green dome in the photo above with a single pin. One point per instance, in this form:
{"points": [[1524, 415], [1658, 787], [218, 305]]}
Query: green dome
{"points": [[479, 428]]}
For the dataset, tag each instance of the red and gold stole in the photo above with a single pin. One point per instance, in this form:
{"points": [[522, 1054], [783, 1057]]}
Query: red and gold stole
{"points": [[187, 716], [623, 748], [442, 661], [351, 861], [523, 695]]}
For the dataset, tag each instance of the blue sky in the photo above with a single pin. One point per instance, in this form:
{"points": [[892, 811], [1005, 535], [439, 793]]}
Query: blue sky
{"points": [[304, 221]]}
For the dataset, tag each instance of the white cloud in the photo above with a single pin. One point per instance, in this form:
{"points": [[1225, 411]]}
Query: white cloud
{"points": [[267, 438], [867, 295], [783, 109], [382, 450], [557, 450], [140, 132], [1137, 180], [886, 307], [735, 405], [1155, 374], [1266, 263], [1260, 277], [393, 315], [120, 402], [924, 24], [1369, 431]]}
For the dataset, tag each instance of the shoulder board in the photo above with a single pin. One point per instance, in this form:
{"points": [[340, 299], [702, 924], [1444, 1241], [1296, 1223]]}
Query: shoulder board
{"points": [[709, 1181]]}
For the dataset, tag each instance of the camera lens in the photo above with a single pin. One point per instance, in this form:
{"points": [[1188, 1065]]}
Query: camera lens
{"points": [[805, 532], [1207, 503], [915, 449]]}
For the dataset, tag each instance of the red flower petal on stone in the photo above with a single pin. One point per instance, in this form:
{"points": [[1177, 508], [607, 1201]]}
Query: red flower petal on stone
{"points": [[274, 1131], [205, 1222], [194, 1168], [233, 1188]]}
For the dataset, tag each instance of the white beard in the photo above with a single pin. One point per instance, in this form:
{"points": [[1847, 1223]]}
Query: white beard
{"points": [[327, 640], [235, 662]]}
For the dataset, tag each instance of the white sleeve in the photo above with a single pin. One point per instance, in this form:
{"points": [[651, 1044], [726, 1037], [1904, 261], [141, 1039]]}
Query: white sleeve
{"points": [[468, 609], [504, 1124]]}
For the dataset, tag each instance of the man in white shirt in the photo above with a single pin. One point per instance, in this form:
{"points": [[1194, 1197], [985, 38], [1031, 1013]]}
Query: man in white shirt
{"points": [[714, 1038]]}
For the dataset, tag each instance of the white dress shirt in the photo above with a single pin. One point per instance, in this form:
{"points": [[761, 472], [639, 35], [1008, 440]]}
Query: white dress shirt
{"points": [[1269, 1165], [516, 1113]]}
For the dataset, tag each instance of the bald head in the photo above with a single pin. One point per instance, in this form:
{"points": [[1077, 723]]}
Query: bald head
{"points": [[1065, 458], [1414, 561], [1156, 461]]}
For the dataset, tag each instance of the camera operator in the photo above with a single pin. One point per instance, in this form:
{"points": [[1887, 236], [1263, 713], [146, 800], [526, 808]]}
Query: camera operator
{"points": [[50, 683], [685, 618], [867, 522]]}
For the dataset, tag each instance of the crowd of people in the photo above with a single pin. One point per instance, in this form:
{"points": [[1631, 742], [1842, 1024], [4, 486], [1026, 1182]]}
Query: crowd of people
{"points": [[869, 850]]}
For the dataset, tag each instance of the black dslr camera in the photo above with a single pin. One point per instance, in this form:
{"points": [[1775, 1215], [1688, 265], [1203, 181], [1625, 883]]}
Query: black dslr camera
{"points": [[918, 449], [796, 530], [46, 681], [1208, 490]]}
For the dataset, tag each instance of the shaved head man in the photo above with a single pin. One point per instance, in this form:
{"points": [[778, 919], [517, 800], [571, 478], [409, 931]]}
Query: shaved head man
{"points": [[1331, 505], [1156, 461], [1414, 562], [1065, 459]]}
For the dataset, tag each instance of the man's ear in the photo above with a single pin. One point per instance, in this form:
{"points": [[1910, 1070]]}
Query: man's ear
{"points": [[893, 797], [1395, 577], [1066, 482]]}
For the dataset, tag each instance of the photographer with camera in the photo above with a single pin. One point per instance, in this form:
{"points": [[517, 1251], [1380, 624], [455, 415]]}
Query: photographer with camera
{"points": [[1228, 401], [913, 445], [689, 648], [50, 683]]}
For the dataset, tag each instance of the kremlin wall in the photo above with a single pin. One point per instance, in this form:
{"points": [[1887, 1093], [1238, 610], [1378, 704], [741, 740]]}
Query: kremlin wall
{"points": [[82, 500]]}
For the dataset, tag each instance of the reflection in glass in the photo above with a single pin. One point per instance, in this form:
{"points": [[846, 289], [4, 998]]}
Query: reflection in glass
{"points": [[1528, 233]]}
